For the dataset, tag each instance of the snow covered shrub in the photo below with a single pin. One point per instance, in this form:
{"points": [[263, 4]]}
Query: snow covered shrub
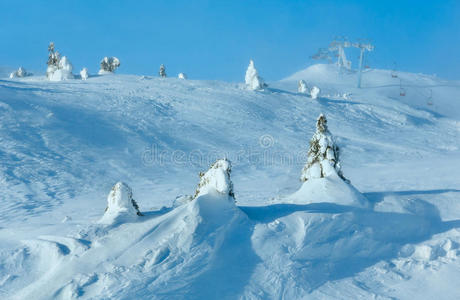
{"points": [[182, 76], [109, 65], [120, 201], [162, 71], [216, 180], [84, 74], [302, 88], [59, 68], [323, 154], [21, 72], [252, 79], [314, 92]]}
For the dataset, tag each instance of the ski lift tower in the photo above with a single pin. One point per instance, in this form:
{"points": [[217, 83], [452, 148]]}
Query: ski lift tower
{"points": [[363, 48], [339, 45]]}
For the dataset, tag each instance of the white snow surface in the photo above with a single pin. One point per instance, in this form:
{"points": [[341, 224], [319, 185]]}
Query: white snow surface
{"points": [[393, 234]]}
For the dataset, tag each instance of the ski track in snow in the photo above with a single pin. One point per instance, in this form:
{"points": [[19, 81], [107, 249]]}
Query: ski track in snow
{"points": [[64, 144]]}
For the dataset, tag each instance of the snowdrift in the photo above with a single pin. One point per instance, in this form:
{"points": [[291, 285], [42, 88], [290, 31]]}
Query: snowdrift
{"points": [[167, 254], [330, 189]]}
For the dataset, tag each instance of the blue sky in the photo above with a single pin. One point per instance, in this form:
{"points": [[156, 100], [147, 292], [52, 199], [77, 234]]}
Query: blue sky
{"points": [[216, 39]]}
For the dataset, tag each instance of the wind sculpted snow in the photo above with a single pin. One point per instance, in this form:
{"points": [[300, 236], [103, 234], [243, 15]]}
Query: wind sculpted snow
{"points": [[64, 144]]}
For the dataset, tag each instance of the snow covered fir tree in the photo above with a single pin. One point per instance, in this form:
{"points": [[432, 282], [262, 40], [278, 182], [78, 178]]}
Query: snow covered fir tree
{"points": [[321, 177], [84, 74], [162, 71], [302, 87], [109, 65], [53, 60], [314, 92], [323, 154], [59, 68], [120, 204], [252, 79], [216, 180]]}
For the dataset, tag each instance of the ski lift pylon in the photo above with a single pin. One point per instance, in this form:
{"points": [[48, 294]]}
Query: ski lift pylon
{"points": [[393, 72], [402, 91], [430, 98]]}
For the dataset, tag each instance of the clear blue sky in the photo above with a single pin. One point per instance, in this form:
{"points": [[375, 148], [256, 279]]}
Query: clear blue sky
{"points": [[216, 39]]}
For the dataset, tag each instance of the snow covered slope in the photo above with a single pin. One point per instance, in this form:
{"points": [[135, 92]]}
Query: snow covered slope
{"points": [[63, 145]]}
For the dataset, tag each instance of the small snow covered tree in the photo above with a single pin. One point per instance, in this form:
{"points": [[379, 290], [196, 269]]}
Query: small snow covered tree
{"points": [[84, 74], [59, 68], [216, 180], [252, 79], [120, 200], [21, 72], [53, 60], [323, 154], [109, 65], [314, 92], [162, 71], [182, 76], [302, 88]]}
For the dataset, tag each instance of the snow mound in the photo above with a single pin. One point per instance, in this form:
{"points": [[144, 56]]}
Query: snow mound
{"points": [[307, 249], [331, 189]]}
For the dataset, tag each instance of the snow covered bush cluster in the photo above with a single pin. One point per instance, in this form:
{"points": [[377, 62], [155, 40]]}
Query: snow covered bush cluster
{"points": [[19, 73], [302, 88], [59, 68], [252, 78], [323, 154], [109, 65]]}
